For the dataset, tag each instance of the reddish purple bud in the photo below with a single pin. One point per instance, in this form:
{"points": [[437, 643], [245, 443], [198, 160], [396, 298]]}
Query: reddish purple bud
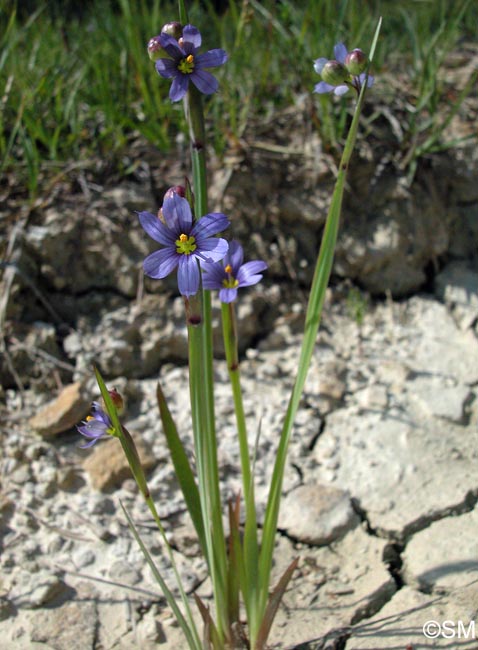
{"points": [[173, 29], [117, 400], [155, 50], [356, 62], [176, 189]]}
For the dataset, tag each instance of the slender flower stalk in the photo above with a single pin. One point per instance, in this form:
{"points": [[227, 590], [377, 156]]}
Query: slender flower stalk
{"points": [[312, 320]]}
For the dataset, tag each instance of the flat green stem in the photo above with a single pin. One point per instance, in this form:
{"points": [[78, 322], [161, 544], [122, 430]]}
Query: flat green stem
{"points": [[202, 386], [250, 544], [312, 321]]}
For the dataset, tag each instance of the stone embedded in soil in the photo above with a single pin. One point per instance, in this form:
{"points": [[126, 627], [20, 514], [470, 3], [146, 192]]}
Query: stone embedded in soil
{"points": [[400, 623], [61, 413], [317, 514], [444, 556], [108, 467], [31, 590], [333, 586], [394, 466], [392, 460]]}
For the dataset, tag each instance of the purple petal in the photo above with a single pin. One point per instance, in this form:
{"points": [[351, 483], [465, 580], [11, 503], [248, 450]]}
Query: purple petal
{"points": [[166, 68], [192, 35], [341, 90], [340, 52], [178, 87], [250, 273], [183, 212], [213, 275], [177, 214], [160, 263], [188, 275], [170, 44], [156, 229], [211, 59], [211, 224], [227, 295], [319, 64], [323, 87], [204, 82], [89, 444], [93, 429], [212, 249], [370, 79], [235, 256]]}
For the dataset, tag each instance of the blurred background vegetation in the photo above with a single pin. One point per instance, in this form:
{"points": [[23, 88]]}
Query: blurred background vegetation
{"points": [[77, 86]]}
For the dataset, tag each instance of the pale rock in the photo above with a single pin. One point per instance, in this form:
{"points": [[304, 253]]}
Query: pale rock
{"points": [[444, 556], [70, 625], [430, 350], [33, 590], [400, 623], [62, 413], [373, 397], [333, 586], [393, 464], [108, 467], [317, 514], [457, 286], [437, 399]]}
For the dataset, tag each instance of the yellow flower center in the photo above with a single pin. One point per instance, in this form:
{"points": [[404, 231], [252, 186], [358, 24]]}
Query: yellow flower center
{"points": [[186, 66], [230, 282], [89, 417], [185, 245]]}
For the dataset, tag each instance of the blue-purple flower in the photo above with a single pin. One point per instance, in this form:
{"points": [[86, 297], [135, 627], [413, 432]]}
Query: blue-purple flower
{"points": [[231, 274], [185, 242], [339, 74], [96, 426], [186, 64]]}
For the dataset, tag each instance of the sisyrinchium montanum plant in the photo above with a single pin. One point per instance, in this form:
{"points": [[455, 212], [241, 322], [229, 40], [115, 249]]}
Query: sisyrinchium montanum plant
{"points": [[191, 244]]}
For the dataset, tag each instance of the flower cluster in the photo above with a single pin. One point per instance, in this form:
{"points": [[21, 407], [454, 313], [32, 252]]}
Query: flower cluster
{"points": [[190, 245], [175, 51], [347, 70]]}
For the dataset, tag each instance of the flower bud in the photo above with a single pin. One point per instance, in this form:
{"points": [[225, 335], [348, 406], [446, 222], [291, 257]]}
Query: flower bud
{"points": [[334, 73], [117, 400], [173, 29], [156, 50], [356, 62], [176, 189]]}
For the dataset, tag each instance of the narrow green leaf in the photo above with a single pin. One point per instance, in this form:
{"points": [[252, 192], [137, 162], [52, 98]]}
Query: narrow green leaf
{"points": [[312, 320], [192, 636], [182, 468]]}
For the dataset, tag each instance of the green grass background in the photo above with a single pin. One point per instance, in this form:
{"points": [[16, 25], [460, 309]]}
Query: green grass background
{"points": [[81, 87]]}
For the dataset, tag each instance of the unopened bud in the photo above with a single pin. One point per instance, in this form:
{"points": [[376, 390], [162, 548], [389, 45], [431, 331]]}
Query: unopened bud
{"points": [[173, 29], [356, 62], [156, 50], [335, 73], [117, 400], [178, 190]]}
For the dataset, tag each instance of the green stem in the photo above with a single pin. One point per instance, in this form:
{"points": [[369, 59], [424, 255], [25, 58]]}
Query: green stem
{"points": [[202, 387], [312, 321], [250, 544]]}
